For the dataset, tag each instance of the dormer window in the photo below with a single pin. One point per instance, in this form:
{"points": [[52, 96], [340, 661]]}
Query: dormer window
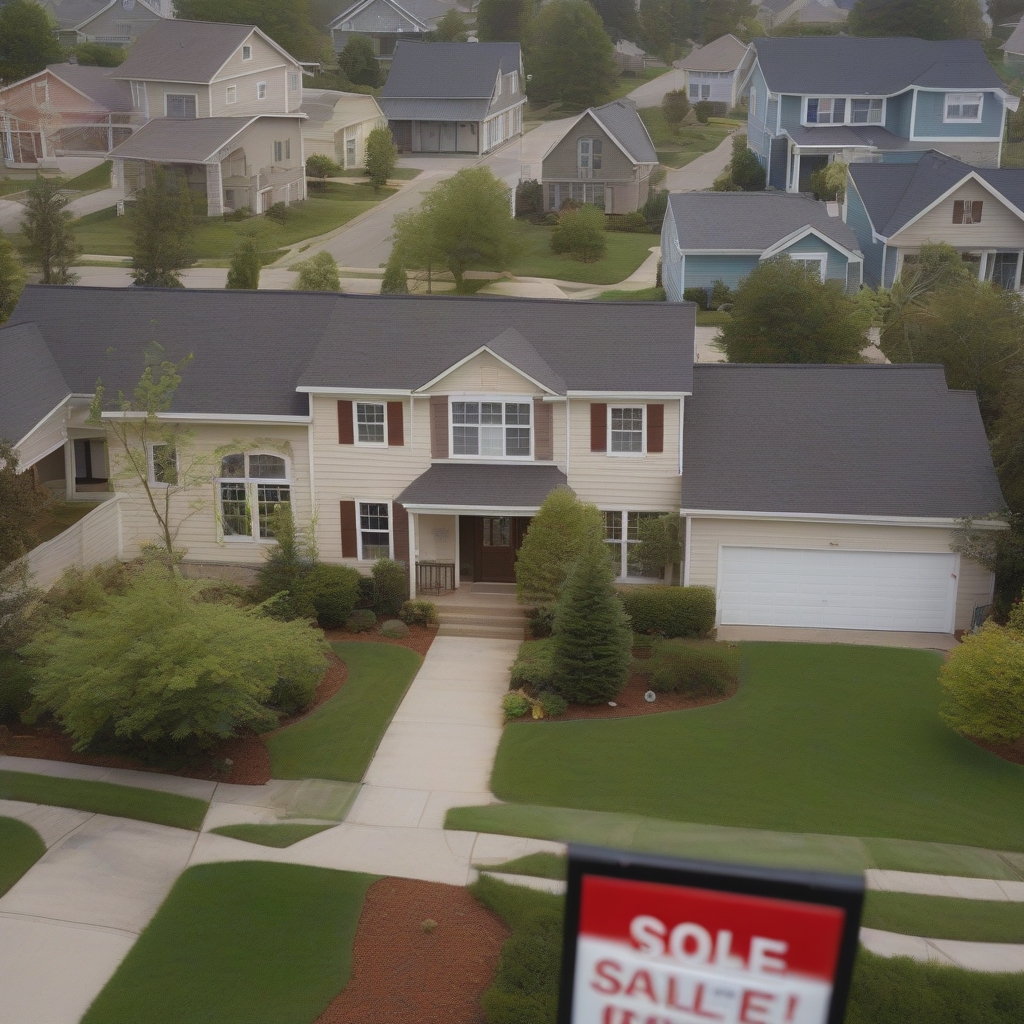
{"points": [[826, 111], [491, 429], [865, 111], [247, 53], [963, 106]]}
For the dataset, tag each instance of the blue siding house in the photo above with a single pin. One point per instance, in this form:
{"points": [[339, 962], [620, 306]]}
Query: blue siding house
{"points": [[722, 236], [815, 99]]}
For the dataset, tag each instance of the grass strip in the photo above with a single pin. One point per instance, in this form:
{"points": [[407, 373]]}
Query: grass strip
{"points": [[945, 917], [241, 943], [339, 739], [95, 178], [282, 835], [537, 865], [105, 798], [20, 848]]}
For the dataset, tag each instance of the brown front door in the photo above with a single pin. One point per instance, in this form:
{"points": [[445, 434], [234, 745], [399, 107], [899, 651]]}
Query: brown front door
{"points": [[498, 538]]}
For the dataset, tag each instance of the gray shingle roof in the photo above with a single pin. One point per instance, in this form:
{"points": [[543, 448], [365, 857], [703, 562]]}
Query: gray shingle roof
{"points": [[182, 51], [504, 486], [854, 440], [319, 106], [97, 84], [622, 121], [426, 12], [895, 193], [31, 383], [433, 110], [448, 71], [854, 136], [1015, 44], [872, 67], [724, 54], [71, 13], [182, 140], [750, 220]]}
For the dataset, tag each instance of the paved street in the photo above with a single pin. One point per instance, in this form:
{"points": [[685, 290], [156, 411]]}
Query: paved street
{"points": [[650, 93]]}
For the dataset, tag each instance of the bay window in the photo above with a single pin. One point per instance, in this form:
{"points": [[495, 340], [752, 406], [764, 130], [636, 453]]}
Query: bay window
{"points": [[251, 483], [626, 429], [491, 429]]}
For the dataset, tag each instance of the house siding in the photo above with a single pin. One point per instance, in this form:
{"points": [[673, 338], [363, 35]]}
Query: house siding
{"points": [[109, 26], [706, 535], [889, 269], [703, 271], [792, 109], [469, 379], [928, 121], [758, 130], [560, 163], [156, 91], [897, 113], [857, 220], [835, 264]]}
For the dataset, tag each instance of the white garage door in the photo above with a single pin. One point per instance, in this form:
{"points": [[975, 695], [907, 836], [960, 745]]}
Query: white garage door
{"points": [[892, 590]]}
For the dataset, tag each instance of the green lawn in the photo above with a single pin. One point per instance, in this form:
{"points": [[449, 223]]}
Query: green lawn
{"points": [[240, 943], [622, 86], [643, 295], [398, 174], [678, 146], [106, 234], [97, 178], [819, 738], [285, 834], [338, 740], [712, 318], [20, 848], [944, 917], [104, 798], [537, 865]]}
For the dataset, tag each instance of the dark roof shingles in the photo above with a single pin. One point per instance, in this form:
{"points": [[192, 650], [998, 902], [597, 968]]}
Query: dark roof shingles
{"points": [[484, 486]]}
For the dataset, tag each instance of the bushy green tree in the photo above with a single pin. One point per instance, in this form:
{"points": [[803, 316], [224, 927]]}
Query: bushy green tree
{"points": [[395, 281], [99, 55], [665, 26], [504, 21], [381, 156], [721, 17], [784, 313], [450, 29], [286, 564], [320, 166], [829, 184], [158, 663], [390, 586], [592, 638], [27, 40], [619, 17], [246, 263], [660, 544], [288, 22], [675, 105], [580, 234], [318, 274], [12, 278], [570, 56], [562, 528], [163, 230], [1007, 436], [926, 19], [21, 501], [358, 62], [51, 243], [744, 173]]}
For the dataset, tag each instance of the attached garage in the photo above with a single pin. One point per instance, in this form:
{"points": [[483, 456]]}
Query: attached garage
{"points": [[838, 589]]}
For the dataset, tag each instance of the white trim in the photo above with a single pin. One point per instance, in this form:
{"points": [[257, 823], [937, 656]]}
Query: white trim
{"points": [[956, 138], [151, 467], [264, 87], [939, 522], [472, 355], [473, 510], [821, 258], [642, 406], [355, 426], [230, 94], [686, 553], [913, 111], [204, 417], [496, 399], [391, 527], [962, 120], [270, 42], [319, 390], [971, 176], [803, 232], [622, 397], [682, 413], [53, 412]]}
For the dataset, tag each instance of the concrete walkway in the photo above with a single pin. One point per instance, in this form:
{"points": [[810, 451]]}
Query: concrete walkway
{"points": [[700, 174], [987, 957]]}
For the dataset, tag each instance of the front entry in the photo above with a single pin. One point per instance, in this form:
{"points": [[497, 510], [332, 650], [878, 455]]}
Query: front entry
{"points": [[491, 543]]}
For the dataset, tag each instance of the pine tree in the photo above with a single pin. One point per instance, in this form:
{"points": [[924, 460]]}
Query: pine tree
{"points": [[162, 231], [47, 229], [591, 633], [246, 263], [27, 40], [395, 281]]}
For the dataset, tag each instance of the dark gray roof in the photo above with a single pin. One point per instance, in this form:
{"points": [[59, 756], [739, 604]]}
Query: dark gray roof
{"points": [[872, 66], [621, 119], [1015, 44], [895, 193], [845, 440], [183, 140], [487, 486], [448, 71], [252, 349], [97, 84], [750, 220], [853, 136], [70, 14], [723, 54], [182, 51], [426, 12], [775, 6]]}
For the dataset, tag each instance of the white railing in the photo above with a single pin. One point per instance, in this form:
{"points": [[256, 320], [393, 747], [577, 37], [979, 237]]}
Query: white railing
{"points": [[94, 539]]}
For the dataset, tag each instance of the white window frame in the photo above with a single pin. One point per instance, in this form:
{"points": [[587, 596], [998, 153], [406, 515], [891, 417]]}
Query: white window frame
{"points": [[151, 463], [643, 430], [140, 99], [360, 502], [355, 425], [962, 99], [293, 81], [753, 103], [195, 97], [503, 400], [821, 258], [251, 487], [231, 94], [261, 90], [847, 102], [869, 100], [624, 543], [246, 52], [278, 151]]}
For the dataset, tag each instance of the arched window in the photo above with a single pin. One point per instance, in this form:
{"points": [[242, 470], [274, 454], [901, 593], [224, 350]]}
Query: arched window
{"points": [[250, 481]]}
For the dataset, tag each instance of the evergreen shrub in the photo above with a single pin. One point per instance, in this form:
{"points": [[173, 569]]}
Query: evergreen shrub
{"points": [[670, 611], [390, 587], [332, 591], [419, 613], [696, 669], [362, 620]]}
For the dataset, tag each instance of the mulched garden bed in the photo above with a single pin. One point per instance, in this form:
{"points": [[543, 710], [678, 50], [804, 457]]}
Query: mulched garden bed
{"points": [[1007, 751], [402, 973]]}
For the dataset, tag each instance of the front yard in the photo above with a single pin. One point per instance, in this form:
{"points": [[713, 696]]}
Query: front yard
{"points": [[676, 147]]}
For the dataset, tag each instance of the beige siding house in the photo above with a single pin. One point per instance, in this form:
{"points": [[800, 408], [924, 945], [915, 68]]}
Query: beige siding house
{"points": [[338, 123], [713, 73], [110, 22]]}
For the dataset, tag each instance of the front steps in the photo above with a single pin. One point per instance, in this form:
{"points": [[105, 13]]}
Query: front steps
{"points": [[481, 610]]}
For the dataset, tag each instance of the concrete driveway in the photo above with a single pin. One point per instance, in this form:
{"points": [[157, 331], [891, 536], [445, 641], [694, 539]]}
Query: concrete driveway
{"points": [[650, 94], [700, 174]]}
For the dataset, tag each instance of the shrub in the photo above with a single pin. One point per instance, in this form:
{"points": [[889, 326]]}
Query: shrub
{"points": [[291, 695], [670, 611], [698, 295], [552, 704], [724, 183], [704, 109], [278, 213], [829, 184], [721, 293], [529, 198], [318, 274], [362, 620], [1015, 619], [580, 234], [381, 156], [332, 592], [390, 587], [365, 599], [533, 665], [395, 629], [675, 105], [515, 704], [539, 621], [246, 263], [395, 280], [696, 669], [655, 207], [633, 222], [320, 165], [358, 63], [983, 680], [15, 683], [419, 613], [660, 544], [747, 171], [284, 568]]}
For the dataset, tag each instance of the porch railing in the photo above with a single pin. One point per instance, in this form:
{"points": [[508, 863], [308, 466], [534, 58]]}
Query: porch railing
{"points": [[435, 577]]}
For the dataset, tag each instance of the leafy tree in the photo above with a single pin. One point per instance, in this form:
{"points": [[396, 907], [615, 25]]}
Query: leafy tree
{"points": [[12, 278], [660, 544], [163, 230], [395, 281], [720, 17], [287, 22], [246, 262], [592, 639], [745, 172], [450, 29], [675, 105], [159, 664], [279, 580], [927, 19], [320, 165], [704, 110], [358, 62], [783, 313], [27, 40], [99, 55], [21, 501], [562, 528], [665, 26], [1007, 437], [504, 21], [829, 184], [580, 234], [16, 599], [529, 197], [571, 54], [47, 229], [619, 17], [381, 156], [318, 274]]}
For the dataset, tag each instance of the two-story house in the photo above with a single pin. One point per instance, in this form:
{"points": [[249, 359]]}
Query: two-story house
{"points": [[224, 103], [431, 430], [712, 73], [815, 99], [385, 22], [454, 97], [111, 22]]}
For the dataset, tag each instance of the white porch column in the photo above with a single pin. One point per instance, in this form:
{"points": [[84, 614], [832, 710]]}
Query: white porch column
{"points": [[794, 185], [69, 469], [413, 553], [214, 191], [458, 553]]}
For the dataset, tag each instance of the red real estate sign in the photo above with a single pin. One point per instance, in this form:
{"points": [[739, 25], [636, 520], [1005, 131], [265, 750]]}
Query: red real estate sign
{"points": [[652, 942]]}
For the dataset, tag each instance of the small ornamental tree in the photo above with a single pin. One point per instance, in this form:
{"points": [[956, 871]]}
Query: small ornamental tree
{"points": [[675, 105], [395, 281], [47, 229], [580, 234], [318, 274], [381, 156], [246, 263], [592, 638], [450, 29], [358, 62], [562, 528]]}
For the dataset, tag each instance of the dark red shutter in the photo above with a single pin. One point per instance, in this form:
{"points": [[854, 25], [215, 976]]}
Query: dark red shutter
{"points": [[400, 532], [349, 534], [396, 425], [976, 211], [345, 435], [598, 427], [543, 427], [439, 426], [655, 428]]}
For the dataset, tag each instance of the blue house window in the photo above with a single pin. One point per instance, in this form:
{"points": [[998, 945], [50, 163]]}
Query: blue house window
{"points": [[963, 106]]}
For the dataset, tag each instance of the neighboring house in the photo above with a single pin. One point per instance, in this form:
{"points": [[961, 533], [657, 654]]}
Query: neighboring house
{"points": [[821, 12], [713, 73], [62, 110], [116, 23], [431, 431], [722, 236], [774, 12], [337, 124], [815, 99], [605, 157], [895, 208], [454, 97], [385, 22], [1013, 48], [225, 106]]}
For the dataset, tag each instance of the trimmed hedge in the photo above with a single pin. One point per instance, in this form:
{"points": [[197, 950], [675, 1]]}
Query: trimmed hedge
{"points": [[533, 667], [697, 669], [671, 611]]}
